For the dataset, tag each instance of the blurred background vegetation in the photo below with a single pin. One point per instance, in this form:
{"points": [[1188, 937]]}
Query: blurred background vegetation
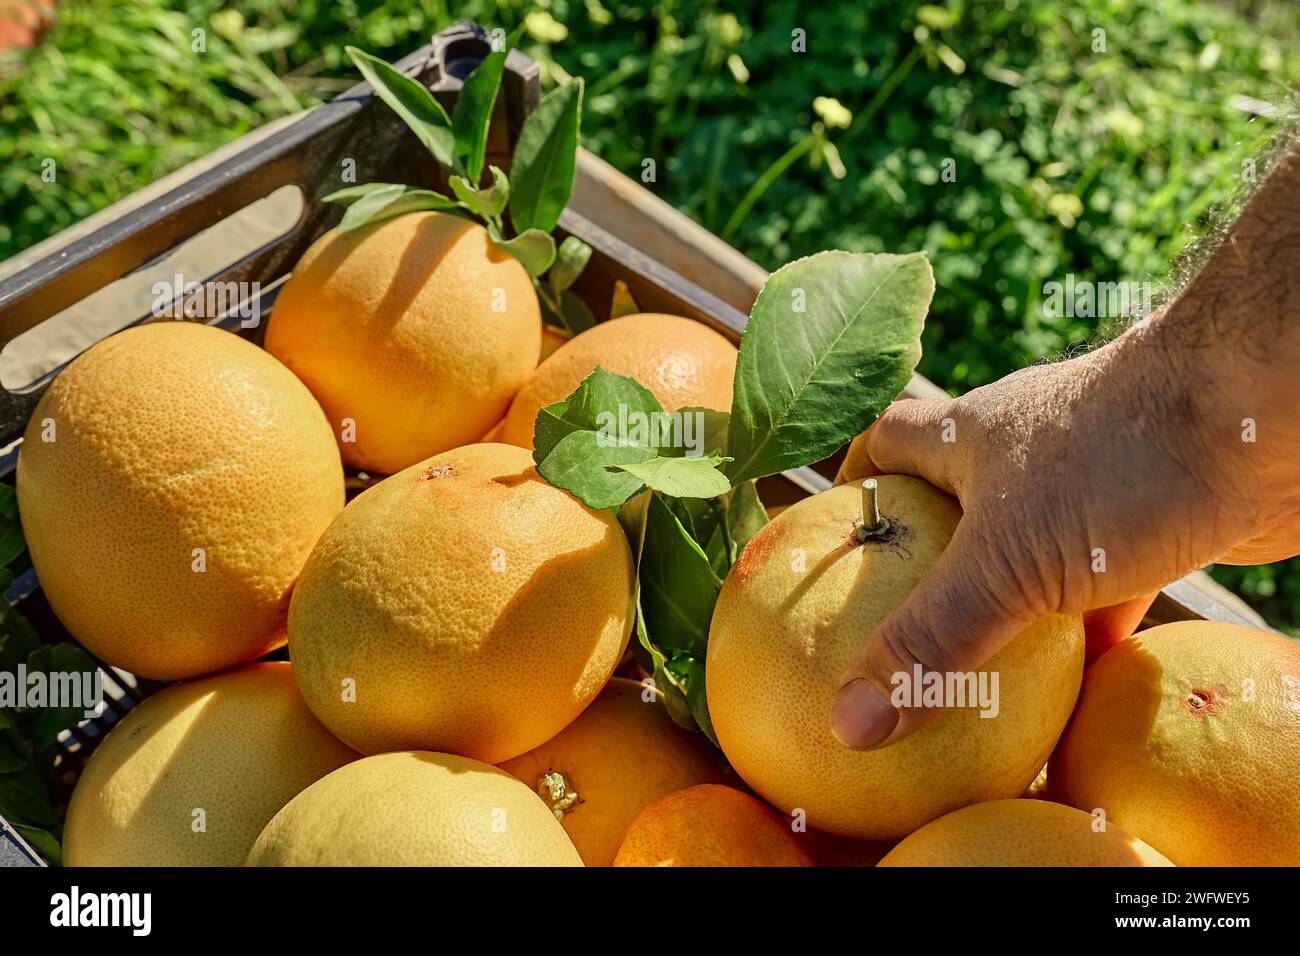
{"points": [[1070, 151]]}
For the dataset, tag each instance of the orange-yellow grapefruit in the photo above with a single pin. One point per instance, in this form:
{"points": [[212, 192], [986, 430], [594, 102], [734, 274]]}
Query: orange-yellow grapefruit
{"points": [[792, 614], [192, 775], [1021, 833], [415, 809], [414, 334], [171, 483], [683, 363], [710, 825], [1187, 735], [462, 605]]}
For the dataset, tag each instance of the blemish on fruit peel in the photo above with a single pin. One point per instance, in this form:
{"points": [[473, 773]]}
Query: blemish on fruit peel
{"points": [[437, 471], [759, 549], [1202, 701]]}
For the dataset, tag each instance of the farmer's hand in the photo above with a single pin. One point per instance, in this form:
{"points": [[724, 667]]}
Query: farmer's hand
{"points": [[1100, 479]]}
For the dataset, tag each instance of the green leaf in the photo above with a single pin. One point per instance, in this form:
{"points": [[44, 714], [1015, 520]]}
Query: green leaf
{"points": [[746, 517], [532, 247], [674, 696], [678, 586], [579, 441], [699, 431], [11, 757], [472, 115], [350, 194], [43, 842], [687, 673], [681, 477], [572, 258], [487, 202], [545, 157], [12, 544], [412, 102], [581, 464], [9, 498], [587, 408], [52, 660], [390, 202], [808, 381], [18, 638], [572, 316], [24, 799], [705, 521]]}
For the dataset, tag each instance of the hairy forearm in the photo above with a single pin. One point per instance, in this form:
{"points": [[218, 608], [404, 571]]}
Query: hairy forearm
{"points": [[1246, 299], [1226, 354]]}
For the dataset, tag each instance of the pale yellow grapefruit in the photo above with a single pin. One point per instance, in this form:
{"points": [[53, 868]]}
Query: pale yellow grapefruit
{"points": [[1021, 833], [192, 775], [710, 825], [622, 754], [791, 615], [463, 605], [415, 809], [414, 334], [683, 363], [1187, 735], [171, 483]]}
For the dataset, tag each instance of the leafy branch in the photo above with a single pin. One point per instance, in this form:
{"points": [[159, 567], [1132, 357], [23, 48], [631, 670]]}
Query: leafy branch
{"points": [[831, 341], [519, 210]]}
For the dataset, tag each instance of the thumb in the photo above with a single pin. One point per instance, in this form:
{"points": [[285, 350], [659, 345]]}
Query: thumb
{"points": [[954, 620]]}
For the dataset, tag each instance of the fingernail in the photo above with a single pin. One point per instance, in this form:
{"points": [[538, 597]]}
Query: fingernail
{"points": [[861, 716]]}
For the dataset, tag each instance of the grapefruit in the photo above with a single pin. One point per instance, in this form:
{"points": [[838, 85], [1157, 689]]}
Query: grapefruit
{"points": [[621, 755], [419, 330], [1187, 735], [710, 825], [171, 483], [415, 809], [1021, 833], [791, 615], [683, 363], [192, 775], [463, 605]]}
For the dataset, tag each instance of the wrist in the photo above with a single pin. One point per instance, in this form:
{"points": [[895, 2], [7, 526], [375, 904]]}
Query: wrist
{"points": [[1229, 417]]}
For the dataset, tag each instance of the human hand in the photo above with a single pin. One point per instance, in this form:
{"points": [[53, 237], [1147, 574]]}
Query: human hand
{"points": [[1086, 484]]}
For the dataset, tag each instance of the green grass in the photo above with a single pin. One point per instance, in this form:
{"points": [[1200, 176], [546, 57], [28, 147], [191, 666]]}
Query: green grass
{"points": [[1066, 159]]}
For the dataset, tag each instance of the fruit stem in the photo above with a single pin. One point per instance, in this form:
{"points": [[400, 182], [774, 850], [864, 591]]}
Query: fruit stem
{"points": [[555, 790], [872, 524]]}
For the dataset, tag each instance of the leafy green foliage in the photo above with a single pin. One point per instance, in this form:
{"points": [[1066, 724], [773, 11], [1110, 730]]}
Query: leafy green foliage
{"points": [[611, 439], [418, 109], [472, 114], [375, 202], [832, 339], [545, 159], [542, 168], [562, 309], [532, 247], [28, 735]]}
